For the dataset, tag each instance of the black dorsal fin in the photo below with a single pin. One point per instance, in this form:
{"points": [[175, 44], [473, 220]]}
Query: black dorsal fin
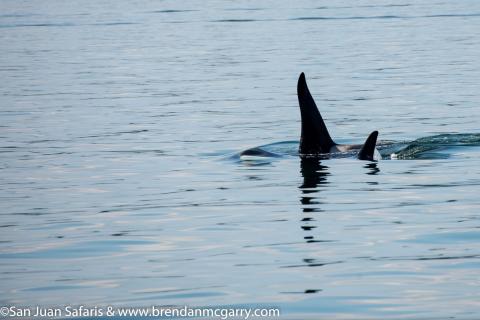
{"points": [[368, 148], [315, 137]]}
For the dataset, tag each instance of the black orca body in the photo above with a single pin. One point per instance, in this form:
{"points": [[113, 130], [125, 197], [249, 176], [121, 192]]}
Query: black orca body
{"points": [[315, 141]]}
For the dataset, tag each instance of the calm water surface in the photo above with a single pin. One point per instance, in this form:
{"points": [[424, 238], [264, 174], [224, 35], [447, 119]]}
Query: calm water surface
{"points": [[117, 120]]}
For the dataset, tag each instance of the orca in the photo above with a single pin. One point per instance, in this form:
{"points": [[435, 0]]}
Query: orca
{"points": [[257, 153], [315, 141], [317, 144]]}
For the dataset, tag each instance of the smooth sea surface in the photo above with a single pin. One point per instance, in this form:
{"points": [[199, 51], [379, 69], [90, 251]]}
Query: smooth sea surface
{"points": [[119, 185]]}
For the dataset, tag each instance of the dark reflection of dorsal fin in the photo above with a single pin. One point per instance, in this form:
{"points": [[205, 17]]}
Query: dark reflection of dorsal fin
{"points": [[315, 137], [368, 148], [313, 173], [373, 170]]}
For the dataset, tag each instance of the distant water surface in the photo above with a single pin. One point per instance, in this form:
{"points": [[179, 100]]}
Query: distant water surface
{"points": [[117, 119]]}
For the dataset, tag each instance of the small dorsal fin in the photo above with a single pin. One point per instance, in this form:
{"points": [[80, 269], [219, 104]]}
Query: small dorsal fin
{"points": [[315, 137], [368, 148]]}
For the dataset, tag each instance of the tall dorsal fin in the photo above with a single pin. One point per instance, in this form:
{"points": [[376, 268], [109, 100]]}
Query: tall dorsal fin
{"points": [[368, 148], [315, 137]]}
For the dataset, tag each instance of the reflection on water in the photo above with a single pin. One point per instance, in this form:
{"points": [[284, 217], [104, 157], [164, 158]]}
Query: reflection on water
{"points": [[314, 174], [372, 168]]}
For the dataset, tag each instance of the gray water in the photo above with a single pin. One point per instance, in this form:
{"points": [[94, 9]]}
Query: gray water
{"points": [[118, 120]]}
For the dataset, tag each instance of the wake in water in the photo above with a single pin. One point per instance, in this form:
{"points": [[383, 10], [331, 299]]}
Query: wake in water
{"points": [[433, 147], [316, 142], [437, 147]]}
